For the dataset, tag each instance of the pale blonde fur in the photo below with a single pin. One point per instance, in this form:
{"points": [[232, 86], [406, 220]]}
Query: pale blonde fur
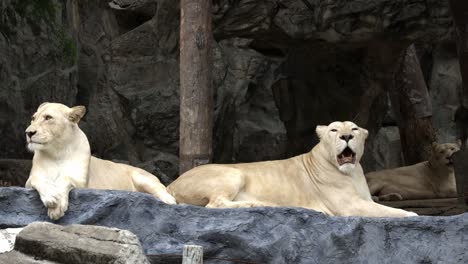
{"points": [[429, 179], [62, 161], [313, 180]]}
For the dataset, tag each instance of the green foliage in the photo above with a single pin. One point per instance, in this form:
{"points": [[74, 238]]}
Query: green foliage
{"points": [[67, 45], [36, 11]]}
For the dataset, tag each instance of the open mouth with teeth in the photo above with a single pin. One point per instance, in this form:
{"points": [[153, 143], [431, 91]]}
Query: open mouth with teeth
{"points": [[450, 161], [347, 156]]}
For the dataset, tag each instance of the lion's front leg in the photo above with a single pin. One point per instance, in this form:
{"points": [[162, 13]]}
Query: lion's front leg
{"points": [[48, 194], [58, 211], [372, 209], [50, 199], [66, 185], [54, 196], [223, 202], [63, 186]]}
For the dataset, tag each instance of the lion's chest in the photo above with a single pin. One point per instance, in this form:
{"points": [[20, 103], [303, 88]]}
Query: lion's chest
{"points": [[446, 188], [57, 172], [361, 187]]}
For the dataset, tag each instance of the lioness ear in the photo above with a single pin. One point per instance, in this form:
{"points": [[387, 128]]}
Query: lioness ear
{"points": [[320, 130], [459, 142], [77, 112], [42, 104], [434, 145], [366, 133]]}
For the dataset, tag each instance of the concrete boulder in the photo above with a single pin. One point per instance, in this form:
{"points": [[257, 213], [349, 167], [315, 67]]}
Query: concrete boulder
{"points": [[42, 242], [255, 235]]}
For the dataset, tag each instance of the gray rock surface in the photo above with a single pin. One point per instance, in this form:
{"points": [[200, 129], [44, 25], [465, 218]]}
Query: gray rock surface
{"points": [[75, 244], [387, 149], [441, 69], [461, 172], [255, 235], [445, 84], [121, 61], [37, 64], [7, 238], [14, 257], [333, 21], [14, 172]]}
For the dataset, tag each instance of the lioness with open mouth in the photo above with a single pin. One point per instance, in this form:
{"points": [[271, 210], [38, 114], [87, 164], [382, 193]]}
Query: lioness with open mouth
{"points": [[434, 178], [328, 179], [62, 161]]}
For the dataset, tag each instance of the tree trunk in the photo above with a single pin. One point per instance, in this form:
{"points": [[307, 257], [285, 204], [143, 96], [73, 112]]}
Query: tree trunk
{"points": [[381, 61], [459, 10], [416, 131], [394, 67], [196, 100]]}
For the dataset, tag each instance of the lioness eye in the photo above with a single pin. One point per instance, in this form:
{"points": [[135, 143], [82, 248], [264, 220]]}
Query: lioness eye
{"points": [[333, 130], [47, 117], [441, 152], [355, 128]]}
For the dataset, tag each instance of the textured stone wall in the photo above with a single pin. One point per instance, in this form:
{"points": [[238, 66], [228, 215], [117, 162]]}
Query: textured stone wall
{"points": [[279, 69], [37, 63]]}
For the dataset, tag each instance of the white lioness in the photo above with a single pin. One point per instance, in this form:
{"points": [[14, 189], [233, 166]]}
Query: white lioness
{"points": [[434, 178], [328, 179], [62, 161]]}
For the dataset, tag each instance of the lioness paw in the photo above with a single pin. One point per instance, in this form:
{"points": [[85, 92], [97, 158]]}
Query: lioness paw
{"points": [[167, 198], [50, 200], [55, 213], [58, 212], [409, 214]]}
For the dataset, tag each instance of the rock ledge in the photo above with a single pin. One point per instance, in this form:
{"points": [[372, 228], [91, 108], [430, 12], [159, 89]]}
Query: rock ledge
{"points": [[258, 235]]}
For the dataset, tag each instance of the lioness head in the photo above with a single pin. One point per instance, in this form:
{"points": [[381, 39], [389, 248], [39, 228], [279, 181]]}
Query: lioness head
{"points": [[52, 124], [344, 142], [441, 154]]}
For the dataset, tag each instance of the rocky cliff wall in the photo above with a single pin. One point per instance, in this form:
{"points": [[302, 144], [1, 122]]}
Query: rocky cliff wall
{"points": [[279, 69]]}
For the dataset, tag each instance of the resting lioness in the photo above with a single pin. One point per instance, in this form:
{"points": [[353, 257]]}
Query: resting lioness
{"points": [[434, 178], [62, 161], [328, 179]]}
